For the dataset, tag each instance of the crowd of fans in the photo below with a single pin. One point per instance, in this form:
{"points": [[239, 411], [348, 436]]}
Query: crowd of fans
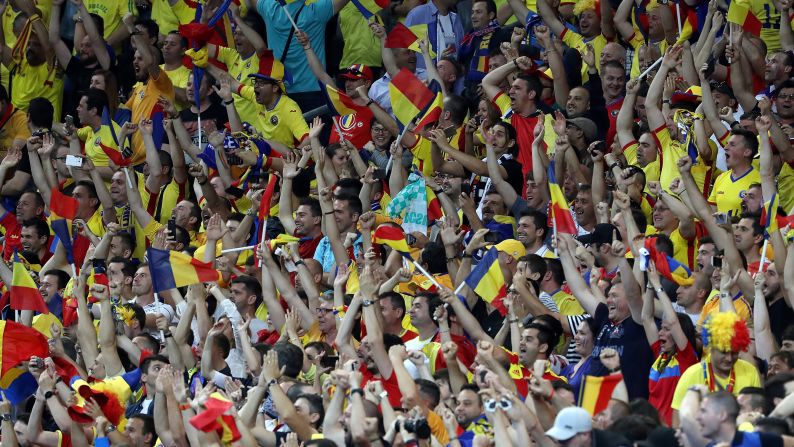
{"points": [[662, 131]]}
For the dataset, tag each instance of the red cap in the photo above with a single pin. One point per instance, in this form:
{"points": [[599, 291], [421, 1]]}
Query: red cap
{"points": [[356, 72]]}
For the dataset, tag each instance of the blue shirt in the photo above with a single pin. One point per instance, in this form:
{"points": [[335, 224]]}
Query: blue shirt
{"points": [[428, 14], [312, 21], [325, 254]]}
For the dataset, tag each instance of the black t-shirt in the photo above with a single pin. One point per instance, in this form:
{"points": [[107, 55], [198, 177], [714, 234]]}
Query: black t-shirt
{"points": [[628, 339], [515, 178], [215, 112], [780, 317]]}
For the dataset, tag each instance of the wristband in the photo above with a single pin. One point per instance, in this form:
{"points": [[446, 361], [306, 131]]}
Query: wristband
{"points": [[550, 395], [358, 391], [299, 262], [228, 103], [515, 62], [167, 334], [271, 383], [665, 101], [613, 165], [369, 102], [328, 212], [48, 395], [183, 407], [6, 416]]}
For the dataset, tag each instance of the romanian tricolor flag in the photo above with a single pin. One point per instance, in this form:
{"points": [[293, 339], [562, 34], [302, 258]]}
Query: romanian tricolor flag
{"points": [[433, 206], [24, 293], [402, 36], [558, 206], [339, 103], [667, 266], [264, 210], [369, 8], [173, 269], [432, 112], [19, 343], [689, 21], [488, 281], [771, 221], [394, 237], [62, 206], [740, 12], [409, 97], [214, 418], [596, 392], [61, 229]]}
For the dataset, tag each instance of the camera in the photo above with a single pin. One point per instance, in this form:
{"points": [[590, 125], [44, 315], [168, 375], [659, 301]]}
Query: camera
{"points": [[418, 426]]}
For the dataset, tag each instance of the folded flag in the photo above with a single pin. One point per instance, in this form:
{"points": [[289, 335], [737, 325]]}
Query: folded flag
{"points": [[18, 343], [411, 204], [24, 293], [740, 12], [61, 228], [62, 206], [339, 103], [433, 206], [264, 210], [487, 281], [369, 8], [282, 239], [117, 151], [213, 418], [432, 112], [558, 206], [596, 392], [769, 218], [667, 266], [173, 269], [689, 22], [392, 236], [409, 97]]}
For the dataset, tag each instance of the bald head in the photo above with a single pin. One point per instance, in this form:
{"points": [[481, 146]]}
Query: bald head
{"points": [[613, 51]]}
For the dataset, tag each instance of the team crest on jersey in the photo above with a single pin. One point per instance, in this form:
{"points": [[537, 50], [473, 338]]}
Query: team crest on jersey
{"points": [[97, 141], [141, 94], [742, 193], [274, 120], [614, 113], [349, 122]]}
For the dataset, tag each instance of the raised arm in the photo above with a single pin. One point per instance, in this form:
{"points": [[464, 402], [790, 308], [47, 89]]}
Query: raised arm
{"points": [[311, 58], [98, 43], [652, 100], [575, 281], [550, 17]]}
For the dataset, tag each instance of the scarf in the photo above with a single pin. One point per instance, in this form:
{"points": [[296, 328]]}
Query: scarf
{"points": [[412, 201]]}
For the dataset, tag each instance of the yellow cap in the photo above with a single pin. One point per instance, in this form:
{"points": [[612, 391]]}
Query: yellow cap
{"points": [[512, 247]]}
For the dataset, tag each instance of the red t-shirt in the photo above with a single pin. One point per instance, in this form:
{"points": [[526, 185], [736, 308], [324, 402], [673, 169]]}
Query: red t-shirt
{"points": [[612, 109], [389, 385], [354, 127], [525, 126], [663, 378]]}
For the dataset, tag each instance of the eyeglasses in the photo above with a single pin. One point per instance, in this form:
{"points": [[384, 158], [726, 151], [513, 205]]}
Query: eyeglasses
{"points": [[262, 82], [379, 130]]}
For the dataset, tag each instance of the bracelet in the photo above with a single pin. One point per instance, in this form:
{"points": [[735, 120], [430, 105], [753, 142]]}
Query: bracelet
{"points": [[612, 166], [271, 383], [367, 303], [299, 262], [328, 212], [167, 334], [665, 101], [659, 290], [465, 255], [228, 103], [6, 417], [48, 395], [183, 407], [369, 102], [358, 391], [515, 62], [452, 259]]}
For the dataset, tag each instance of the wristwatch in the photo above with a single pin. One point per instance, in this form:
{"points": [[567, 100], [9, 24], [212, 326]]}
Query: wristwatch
{"points": [[110, 428], [5, 416]]}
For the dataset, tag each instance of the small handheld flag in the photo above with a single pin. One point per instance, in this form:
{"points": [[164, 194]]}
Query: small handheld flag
{"points": [[558, 206], [173, 269], [24, 293], [487, 280]]}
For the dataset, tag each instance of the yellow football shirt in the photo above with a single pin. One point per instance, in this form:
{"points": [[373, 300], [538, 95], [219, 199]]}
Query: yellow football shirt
{"points": [[728, 190], [712, 306], [284, 123], [671, 150], [746, 375], [239, 69], [111, 12], [30, 82], [97, 142]]}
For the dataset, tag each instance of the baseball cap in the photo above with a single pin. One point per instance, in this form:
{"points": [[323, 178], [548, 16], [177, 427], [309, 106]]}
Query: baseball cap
{"points": [[570, 422], [356, 72], [692, 95], [602, 234], [587, 126], [512, 247]]}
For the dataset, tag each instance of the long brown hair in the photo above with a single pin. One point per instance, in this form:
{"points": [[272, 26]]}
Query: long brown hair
{"points": [[111, 89]]}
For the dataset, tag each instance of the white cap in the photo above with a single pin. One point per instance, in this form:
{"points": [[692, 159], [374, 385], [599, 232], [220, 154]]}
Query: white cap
{"points": [[570, 422]]}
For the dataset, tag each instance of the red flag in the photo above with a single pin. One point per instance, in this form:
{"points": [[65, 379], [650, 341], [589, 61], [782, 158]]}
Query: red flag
{"points": [[62, 205], [24, 293]]}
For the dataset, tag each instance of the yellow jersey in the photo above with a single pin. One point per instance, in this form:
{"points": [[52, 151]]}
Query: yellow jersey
{"points": [[101, 145], [283, 123], [142, 101], [671, 150], [712, 306], [168, 17], [728, 190], [28, 82], [579, 42], [111, 12], [239, 69], [785, 187], [745, 374], [13, 126]]}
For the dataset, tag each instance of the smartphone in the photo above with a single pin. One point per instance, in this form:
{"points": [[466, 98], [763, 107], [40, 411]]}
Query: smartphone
{"points": [[722, 218], [74, 161], [716, 261], [172, 228], [68, 120], [600, 147], [465, 188], [492, 238]]}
